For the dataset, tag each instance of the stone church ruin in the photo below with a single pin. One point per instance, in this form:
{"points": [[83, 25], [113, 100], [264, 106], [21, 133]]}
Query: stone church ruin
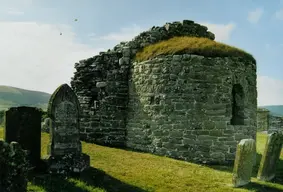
{"points": [[184, 105]]}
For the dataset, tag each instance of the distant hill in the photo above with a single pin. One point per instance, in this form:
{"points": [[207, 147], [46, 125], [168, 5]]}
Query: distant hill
{"points": [[276, 110], [13, 97]]}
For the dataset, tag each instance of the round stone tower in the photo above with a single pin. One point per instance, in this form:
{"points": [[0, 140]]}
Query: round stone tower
{"points": [[192, 102]]}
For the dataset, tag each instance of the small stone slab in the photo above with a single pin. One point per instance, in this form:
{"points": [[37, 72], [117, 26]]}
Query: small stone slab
{"points": [[244, 162], [270, 157]]}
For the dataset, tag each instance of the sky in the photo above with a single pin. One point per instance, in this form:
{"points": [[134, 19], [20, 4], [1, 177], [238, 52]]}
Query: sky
{"points": [[34, 56]]}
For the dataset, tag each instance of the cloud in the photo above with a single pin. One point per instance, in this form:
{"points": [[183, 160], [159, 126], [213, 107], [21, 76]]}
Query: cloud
{"points": [[16, 4], [254, 16], [13, 11], [270, 91], [222, 32], [35, 56], [279, 14], [125, 34]]}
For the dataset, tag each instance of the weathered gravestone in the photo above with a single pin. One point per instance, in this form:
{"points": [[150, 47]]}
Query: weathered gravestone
{"points": [[45, 126], [65, 150], [23, 125], [13, 167], [244, 162], [270, 157]]}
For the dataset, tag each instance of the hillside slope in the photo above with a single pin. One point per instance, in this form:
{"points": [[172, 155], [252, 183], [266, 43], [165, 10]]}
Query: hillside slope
{"points": [[12, 97], [274, 109]]}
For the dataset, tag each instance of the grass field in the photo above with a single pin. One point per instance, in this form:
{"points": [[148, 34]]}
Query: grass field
{"points": [[125, 171]]}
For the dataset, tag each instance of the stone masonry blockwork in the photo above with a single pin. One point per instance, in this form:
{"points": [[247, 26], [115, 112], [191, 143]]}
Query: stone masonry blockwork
{"points": [[262, 120], [101, 82], [181, 106], [182, 111]]}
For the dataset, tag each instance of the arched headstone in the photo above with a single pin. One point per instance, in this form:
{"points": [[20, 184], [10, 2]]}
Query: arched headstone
{"points": [[65, 150]]}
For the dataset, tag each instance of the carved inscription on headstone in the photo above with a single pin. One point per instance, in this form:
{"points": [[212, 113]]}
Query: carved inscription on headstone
{"points": [[66, 135]]}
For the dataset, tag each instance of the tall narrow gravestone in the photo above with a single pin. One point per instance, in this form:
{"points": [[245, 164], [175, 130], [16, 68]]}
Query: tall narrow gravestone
{"points": [[65, 150], [270, 157], [23, 125], [244, 162]]}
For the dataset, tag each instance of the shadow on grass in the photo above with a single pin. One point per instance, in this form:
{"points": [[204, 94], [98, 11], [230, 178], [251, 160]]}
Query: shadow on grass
{"points": [[91, 177], [229, 168], [98, 178], [259, 187]]}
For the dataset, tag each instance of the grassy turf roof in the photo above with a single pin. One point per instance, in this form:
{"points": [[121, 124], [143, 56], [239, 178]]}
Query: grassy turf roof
{"points": [[191, 45]]}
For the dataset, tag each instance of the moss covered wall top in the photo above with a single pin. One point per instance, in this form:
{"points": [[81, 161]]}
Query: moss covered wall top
{"points": [[167, 31], [191, 45]]}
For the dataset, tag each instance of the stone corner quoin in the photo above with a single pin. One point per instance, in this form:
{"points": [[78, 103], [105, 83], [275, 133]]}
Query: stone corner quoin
{"points": [[184, 106]]}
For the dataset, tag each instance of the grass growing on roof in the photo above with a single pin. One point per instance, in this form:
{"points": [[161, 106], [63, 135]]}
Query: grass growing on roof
{"points": [[191, 45]]}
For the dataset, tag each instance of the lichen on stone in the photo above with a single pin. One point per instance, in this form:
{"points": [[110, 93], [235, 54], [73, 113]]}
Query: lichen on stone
{"points": [[13, 167]]}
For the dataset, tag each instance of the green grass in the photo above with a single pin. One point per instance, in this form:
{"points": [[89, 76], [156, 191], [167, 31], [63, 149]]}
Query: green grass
{"points": [[120, 170], [191, 45]]}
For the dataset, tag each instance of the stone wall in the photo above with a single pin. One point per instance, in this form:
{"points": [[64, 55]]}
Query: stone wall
{"points": [[122, 107], [275, 123], [262, 119], [101, 82], [181, 106], [268, 122]]}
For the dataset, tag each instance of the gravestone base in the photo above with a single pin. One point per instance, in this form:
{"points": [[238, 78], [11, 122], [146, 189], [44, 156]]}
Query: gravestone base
{"points": [[263, 178], [68, 164], [41, 167]]}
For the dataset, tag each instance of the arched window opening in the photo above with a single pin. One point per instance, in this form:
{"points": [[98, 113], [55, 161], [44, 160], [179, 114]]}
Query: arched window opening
{"points": [[238, 115]]}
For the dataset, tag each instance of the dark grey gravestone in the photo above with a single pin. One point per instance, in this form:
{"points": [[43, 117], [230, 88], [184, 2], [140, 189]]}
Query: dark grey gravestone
{"points": [[23, 125], [65, 150], [270, 157]]}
